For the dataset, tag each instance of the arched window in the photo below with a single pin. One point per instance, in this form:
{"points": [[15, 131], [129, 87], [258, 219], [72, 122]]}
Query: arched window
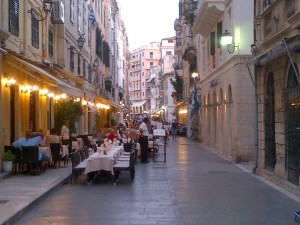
{"points": [[229, 94], [221, 96], [214, 98]]}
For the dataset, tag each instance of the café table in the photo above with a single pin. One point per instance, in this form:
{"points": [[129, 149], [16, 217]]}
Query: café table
{"points": [[99, 161]]}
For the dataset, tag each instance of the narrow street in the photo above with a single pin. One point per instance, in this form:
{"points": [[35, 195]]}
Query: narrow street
{"points": [[193, 187]]}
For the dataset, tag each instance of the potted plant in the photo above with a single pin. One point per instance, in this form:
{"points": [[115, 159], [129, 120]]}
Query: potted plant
{"points": [[8, 159]]}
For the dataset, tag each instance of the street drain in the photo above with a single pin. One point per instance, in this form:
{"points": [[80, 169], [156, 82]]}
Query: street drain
{"points": [[3, 201]]}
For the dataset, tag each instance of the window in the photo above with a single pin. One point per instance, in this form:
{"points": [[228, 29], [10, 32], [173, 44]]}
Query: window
{"points": [[51, 42], [84, 19], [151, 55], [170, 41], [229, 94], [219, 34], [14, 17], [267, 24], [78, 65], [151, 64], [72, 60], [290, 7], [169, 53], [79, 16], [212, 43], [84, 69], [90, 73], [34, 30], [266, 3], [72, 13]]}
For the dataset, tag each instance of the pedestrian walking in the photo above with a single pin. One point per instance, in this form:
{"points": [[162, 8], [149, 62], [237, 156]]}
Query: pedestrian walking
{"points": [[174, 129]]}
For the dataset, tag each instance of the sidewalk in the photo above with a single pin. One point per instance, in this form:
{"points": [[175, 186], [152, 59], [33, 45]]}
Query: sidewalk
{"points": [[19, 193]]}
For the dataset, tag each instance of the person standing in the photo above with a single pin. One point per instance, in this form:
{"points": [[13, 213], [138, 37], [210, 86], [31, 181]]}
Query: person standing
{"points": [[143, 140], [65, 133]]}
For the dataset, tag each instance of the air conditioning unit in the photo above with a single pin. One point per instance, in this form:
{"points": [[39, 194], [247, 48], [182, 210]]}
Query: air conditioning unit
{"points": [[58, 16]]}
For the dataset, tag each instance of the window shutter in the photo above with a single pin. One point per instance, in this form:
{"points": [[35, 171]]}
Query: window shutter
{"points": [[212, 43], [14, 17], [219, 34]]}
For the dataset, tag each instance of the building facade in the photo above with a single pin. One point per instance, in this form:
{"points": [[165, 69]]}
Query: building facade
{"points": [[276, 63], [62, 53], [140, 63], [226, 117]]}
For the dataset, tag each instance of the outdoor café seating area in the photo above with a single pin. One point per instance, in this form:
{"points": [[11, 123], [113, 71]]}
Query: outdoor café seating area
{"points": [[89, 156]]}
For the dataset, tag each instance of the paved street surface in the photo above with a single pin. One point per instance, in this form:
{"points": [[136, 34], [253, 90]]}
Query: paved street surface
{"points": [[194, 187]]}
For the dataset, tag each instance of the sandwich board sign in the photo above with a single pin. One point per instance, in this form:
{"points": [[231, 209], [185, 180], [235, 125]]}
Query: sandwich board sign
{"points": [[159, 132]]}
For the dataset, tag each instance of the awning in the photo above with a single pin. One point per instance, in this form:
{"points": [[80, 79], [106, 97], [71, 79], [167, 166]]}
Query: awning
{"points": [[107, 102], [138, 104], [65, 87]]}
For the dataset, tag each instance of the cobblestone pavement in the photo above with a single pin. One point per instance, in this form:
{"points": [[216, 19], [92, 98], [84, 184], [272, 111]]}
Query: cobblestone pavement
{"points": [[194, 187]]}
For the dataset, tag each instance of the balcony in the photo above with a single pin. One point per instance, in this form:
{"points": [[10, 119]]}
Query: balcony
{"points": [[207, 17]]}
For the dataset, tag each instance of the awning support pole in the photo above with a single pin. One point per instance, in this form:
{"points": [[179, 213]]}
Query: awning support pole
{"points": [[291, 60]]}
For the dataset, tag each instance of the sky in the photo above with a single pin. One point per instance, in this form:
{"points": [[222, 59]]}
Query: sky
{"points": [[148, 20]]}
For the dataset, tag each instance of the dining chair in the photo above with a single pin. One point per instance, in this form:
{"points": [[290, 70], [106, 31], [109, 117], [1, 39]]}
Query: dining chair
{"points": [[86, 152], [82, 154], [55, 151], [78, 167], [30, 158], [17, 163], [125, 166]]}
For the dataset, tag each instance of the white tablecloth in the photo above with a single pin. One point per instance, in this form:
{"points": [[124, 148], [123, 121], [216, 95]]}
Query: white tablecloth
{"points": [[99, 161], [65, 151], [46, 151], [80, 142], [75, 145]]}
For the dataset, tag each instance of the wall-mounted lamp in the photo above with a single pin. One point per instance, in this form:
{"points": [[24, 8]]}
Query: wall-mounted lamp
{"points": [[44, 92], [9, 82], [84, 102], [194, 75], [80, 43], [51, 95], [47, 8], [226, 39], [28, 88], [102, 106]]}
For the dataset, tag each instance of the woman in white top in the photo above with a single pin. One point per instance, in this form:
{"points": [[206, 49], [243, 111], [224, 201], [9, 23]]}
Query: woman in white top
{"points": [[65, 130]]}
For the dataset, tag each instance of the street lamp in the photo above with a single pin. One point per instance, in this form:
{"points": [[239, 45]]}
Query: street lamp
{"points": [[47, 8], [227, 39], [80, 43]]}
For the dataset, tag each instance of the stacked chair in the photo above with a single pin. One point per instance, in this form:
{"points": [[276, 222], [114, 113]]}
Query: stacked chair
{"points": [[55, 152], [126, 163], [78, 159]]}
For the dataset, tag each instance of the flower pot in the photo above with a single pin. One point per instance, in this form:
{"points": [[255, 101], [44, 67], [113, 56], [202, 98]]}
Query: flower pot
{"points": [[7, 166]]}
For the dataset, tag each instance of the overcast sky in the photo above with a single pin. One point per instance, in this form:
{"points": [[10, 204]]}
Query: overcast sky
{"points": [[148, 20]]}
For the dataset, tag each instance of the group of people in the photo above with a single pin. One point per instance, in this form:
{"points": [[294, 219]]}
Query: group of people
{"points": [[39, 139]]}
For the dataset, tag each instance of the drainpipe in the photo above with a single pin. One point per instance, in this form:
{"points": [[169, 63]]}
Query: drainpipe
{"points": [[254, 79]]}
